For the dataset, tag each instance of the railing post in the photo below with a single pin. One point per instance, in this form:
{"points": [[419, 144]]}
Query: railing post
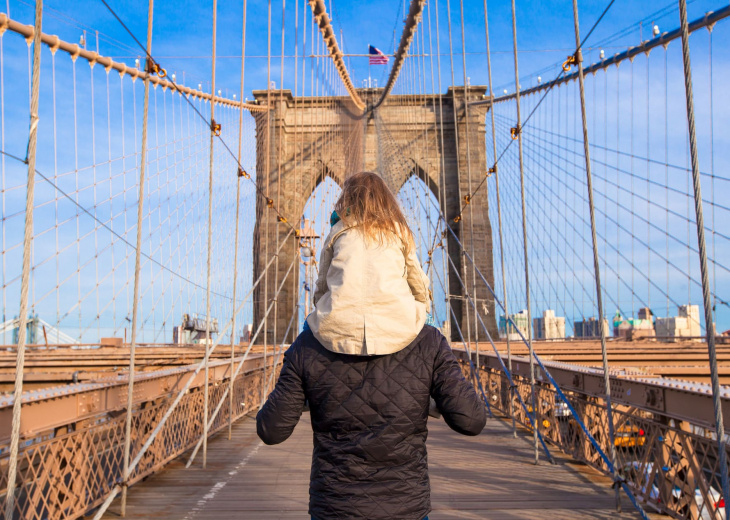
{"points": [[704, 273], [25, 273]]}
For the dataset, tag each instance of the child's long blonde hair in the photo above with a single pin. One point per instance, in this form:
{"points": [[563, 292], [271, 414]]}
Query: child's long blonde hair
{"points": [[367, 202]]}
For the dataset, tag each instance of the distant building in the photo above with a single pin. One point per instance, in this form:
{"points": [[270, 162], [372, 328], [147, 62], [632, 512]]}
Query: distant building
{"points": [[246, 333], [37, 331], [507, 329], [634, 328], [589, 328], [193, 330], [549, 326], [686, 325]]}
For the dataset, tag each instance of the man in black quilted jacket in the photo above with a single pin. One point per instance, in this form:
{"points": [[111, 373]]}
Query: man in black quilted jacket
{"points": [[369, 417]]}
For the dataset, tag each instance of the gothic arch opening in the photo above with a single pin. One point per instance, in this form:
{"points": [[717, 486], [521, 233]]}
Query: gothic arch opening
{"points": [[421, 208], [316, 217]]}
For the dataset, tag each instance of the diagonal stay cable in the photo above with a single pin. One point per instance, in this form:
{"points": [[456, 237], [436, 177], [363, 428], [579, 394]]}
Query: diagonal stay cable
{"points": [[515, 131], [108, 227], [553, 382], [621, 227], [214, 127], [607, 461], [182, 392], [212, 417]]}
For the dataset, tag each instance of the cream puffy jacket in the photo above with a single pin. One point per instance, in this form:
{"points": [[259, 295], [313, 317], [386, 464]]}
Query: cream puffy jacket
{"points": [[370, 299]]}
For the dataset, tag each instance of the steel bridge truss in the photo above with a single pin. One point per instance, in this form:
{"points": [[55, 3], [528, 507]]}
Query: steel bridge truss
{"points": [[665, 444], [73, 436]]}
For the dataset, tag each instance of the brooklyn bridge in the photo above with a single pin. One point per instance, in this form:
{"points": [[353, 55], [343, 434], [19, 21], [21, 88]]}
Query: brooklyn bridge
{"points": [[161, 235]]}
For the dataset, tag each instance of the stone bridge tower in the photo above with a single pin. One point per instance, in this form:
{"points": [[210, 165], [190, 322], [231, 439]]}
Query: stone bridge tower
{"points": [[303, 140]]}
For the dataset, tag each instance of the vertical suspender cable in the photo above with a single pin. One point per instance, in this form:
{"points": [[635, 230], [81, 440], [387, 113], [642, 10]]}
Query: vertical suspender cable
{"points": [[709, 324], [596, 265], [464, 299], [468, 173], [238, 210], [137, 264], [279, 147], [210, 241], [267, 180], [25, 275], [524, 234], [298, 179], [442, 177], [499, 219]]}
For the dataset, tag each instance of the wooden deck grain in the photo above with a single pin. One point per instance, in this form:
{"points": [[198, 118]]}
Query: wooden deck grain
{"points": [[491, 476]]}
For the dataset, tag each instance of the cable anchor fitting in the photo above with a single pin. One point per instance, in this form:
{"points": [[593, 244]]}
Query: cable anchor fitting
{"points": [[269, 203], [152, 67], [491, 170], [457, 219], [215, 128], [467, 200], [514, 132], [243, 173], [571, 60], [279, 218]]}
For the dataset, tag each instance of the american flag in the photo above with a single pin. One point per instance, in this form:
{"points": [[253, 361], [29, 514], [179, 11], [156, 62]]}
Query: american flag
{"points": [[377, 57]]}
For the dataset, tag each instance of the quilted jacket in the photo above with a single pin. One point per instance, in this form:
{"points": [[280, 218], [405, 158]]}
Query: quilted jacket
{"points": [[370, 298], [369, 417]]}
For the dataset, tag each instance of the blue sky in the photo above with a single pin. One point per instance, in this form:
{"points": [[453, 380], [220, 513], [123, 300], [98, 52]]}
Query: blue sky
{"points": [[182, 44], [182, 36]]}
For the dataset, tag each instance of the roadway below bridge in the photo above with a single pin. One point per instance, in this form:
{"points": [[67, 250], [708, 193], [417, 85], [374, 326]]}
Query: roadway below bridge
{"points": [[686, 360], [51, 366], [489, 476], [61, 365]]}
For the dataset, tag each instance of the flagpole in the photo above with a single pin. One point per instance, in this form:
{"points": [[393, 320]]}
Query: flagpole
{"points": [[369, 80]]}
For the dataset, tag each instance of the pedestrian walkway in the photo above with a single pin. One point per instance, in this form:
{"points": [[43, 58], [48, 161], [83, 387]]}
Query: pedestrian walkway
{"points": [[489, 476]]}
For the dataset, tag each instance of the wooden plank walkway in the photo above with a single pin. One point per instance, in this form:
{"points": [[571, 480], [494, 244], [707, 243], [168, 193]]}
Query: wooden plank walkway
{"points": [[489, 476]]}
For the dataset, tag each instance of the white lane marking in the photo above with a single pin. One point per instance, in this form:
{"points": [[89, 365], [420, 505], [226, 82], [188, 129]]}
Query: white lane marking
{"points": [[211, 494]]}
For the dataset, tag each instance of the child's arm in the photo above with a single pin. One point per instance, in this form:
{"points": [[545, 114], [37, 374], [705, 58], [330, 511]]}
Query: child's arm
{"points": [[417, 279]]}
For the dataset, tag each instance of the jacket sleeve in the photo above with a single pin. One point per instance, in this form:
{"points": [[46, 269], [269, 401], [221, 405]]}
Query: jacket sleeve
{"points": [[455, 398], [417, 279], [325, 259], [276, 420]]}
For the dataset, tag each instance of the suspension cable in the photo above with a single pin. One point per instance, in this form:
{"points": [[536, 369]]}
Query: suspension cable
{"points": [[168, 413], [524, 227], [409, 30], [319, 11], [213, 130], [706, 300], [137, 269], [217, 131], [25, 277], [548, 87], [238, 209], [596, 264], [494, 170]]}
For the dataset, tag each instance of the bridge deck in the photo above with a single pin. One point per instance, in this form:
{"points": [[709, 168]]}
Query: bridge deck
{"points": [[489, 476]]}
